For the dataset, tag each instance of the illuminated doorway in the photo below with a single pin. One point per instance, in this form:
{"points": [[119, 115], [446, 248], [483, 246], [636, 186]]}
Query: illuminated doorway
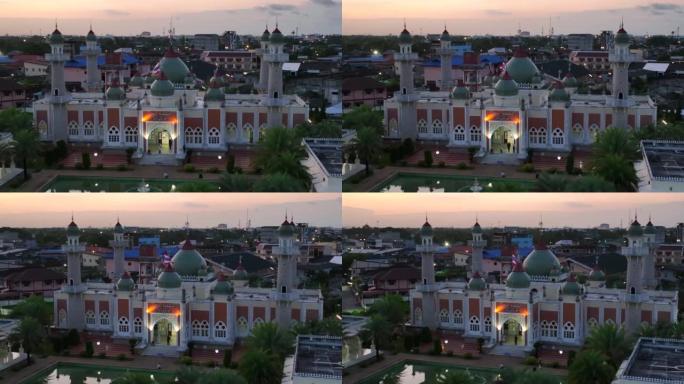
{"points": [[163, 333], [503, 140], [159, 141], [512, 333]]}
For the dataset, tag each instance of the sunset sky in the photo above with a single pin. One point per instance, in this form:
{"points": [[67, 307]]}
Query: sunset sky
{"points": [[131, 17], [167, 209], [503, 16], [498, 209]]}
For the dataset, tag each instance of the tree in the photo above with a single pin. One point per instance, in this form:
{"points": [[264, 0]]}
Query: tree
{"points": [[14, 120], [551, 182], [223, 376], [363, 117], [279, 182], [455, 377], [378, 329], [232, 182], [188, 375], [591, 366], [35, 307], [270, 338], [330, 326], [616, 141], [323, 128], [26, 146], [618, 170], [260, 367], [227, 357], [85, 160], [367, 144], [392, 307], [30, 334], [570, 164], [290, 164], [611, 342], [590, 183]]}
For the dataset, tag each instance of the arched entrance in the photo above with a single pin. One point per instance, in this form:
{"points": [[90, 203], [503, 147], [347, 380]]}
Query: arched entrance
{"points": [[163, 333], [503, 140], [512, 333], [159, 142]]}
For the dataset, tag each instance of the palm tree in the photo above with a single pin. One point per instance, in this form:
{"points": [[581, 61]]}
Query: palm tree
{"points": [[590, 367], [30, 334], [222, 376], [616, 141], [26, 146], [279, 182], [363, 116], [278, 140], [455, 377], [378, 329], [14, 120], [260, 367], [289, 163], [618, 170], [270, 338], [235, 182], [611, 342], [590, 183], [392, 307], [367, 144]]}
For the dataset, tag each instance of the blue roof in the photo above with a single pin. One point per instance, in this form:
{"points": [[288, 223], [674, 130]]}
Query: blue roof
{"points": [[457, 60], [491, 253], [5, 59], [134, 253], [374, 58], [80, 61]]}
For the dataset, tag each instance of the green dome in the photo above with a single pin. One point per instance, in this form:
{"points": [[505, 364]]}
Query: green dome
{"points": [[149, 79], [118, 228], [405, 37], [56, 37], [426, 229], [72, 229], [125, 283], [650, 229], [558, 93], [240, 272], [477, 228], [91, 36], [277, 37], [571, 287], [635, 229], [460, 93], [597, 275], [222, 286], [621, 37], [286, 229], [136, 81], [570, 81], [115, 92], [541, 262], [518, 278], [506, 86], [162, 87], [477, 283], [215, 92], [521, 68], [445, 36], [189, 79], [266, 35], [187, 261], [173, 67], [169, 278]]}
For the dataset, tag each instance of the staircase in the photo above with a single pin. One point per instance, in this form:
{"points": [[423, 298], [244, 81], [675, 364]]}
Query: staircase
{"points": [[501, 159], [157, 159], [161, 351], [508, 350]]}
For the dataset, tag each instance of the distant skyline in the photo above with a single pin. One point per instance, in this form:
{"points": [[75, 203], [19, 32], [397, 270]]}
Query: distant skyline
{"points": [[503, 17], [132, 17], [205, 210], [511, 209]]}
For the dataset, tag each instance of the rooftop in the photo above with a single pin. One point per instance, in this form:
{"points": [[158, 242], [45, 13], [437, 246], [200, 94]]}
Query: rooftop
{"points": [[318, 356], [328, 152], [653, 361], [664, 159]]}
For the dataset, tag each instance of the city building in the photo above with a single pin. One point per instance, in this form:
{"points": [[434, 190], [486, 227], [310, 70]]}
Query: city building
{"points": [[317, 359], [27, 281], [232, 61], [357, 91], [662, 168], [163, 115], [580, 41], [653, 360], [205, 42], [596, 62], [468, 69], [515, 110], [188, 302], [324, 163], [540, 301], [12, 94]]}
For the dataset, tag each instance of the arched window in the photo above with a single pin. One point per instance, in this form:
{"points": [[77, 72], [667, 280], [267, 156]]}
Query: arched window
{"points": [[258, 321], [73, 128], [220, 330], [232, 131], [43, 128], [193, 135], [569, 330], [214, 135], [196, 330], [544, 328], [553, 329], [558, 137], [592, 322], [475, 134], [131, 135], [474, 324], [422, 126], [393, 127], [204, 328], [444, 316], [593, 131], [113, 135], [487, 324], [61, 318], [437, 127], [458, 317], [419, 315], [577, 133], [90, 318], [88, 128], [610, 322], [537, 135], [137, 326], [104, 318], [123, 325], [247, 132], [242, 325], [459, 133]]}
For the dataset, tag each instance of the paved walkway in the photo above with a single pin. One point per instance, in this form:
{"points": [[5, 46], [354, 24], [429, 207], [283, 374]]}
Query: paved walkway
{"points": [[487, 361]]}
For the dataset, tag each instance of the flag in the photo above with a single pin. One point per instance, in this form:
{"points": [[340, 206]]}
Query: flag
{"points": [[166, 259]]}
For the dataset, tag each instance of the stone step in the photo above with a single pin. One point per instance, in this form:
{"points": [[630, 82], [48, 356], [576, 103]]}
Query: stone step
{"points": [[152, 159], [161, 351]]}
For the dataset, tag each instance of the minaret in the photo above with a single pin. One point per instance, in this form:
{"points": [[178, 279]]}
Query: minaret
{"points": [[620, 58], [635, 252], [428, 288], [650, 281], [92, 51], [477, 245], [118, 244], [263, 68], [275, 58], [407, 97], [286, 280], [59, 97], [74, 287], [445, 54]]}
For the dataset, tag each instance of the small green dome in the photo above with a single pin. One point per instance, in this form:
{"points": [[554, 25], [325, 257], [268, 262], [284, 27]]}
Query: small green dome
{"points": [[162, 87], [558, 93], [541, 262], [149, 80], [518, 278], [477, 283], [125, 283], [570, 81], [91, 36], [597, 275], [222, 286], [426, 229], [72, 229], [277, 37], [266, 35], [621, 37], [650, 228], [215, 92], [115, 92], [136, 81], [405, 37], [173, 67], [521, 68], [169, 278], [635, 229], [460, 93], [187, 261], [445, 36], [570, 287], [118, 228], [189, 79], [286, 229], [506, 86], [56, 37], [240, 273], [477, 228]]}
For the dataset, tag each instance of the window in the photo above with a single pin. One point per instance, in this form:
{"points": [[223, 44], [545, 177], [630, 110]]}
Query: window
{"points": [[545, 328], [220, 330], [90, 318], [537, 135], [444, 316], [475, 134], [593, 131], [137, 326], [88, 128], [123, 325], [610, 322], [569, 331], [258, 321], [204, 328], [61, 318], [214, 135], [422, 126], [193, 135], [232, 131], [419, 316], [73, 128], [474, 324], [437, 127], [104, 318], [577, 133], [458, 317], [459, 133], [247, 132], [558, 137], [487, 324], [131, 135], [42, 128], [553, 329], [196, 328], [113, 135], [242, 324]]}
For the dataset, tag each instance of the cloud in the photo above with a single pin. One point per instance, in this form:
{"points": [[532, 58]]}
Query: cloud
{"points": [[662, 8], [115, 12], [277, 9], [325, 3], [497, 12]]}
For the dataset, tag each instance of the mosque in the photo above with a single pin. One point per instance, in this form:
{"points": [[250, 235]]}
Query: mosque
{"points": [[540, 301], [163, 113], [515, 110], [188, 302]]}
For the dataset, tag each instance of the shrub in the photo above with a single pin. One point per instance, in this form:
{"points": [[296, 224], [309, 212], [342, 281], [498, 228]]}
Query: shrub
{"points": [[72, 338], [189, 168], [555, 364], [99, 166], [436, 347], [121, 357], [230, 163], [213, 170], [553, 170], [101, 355], [227, 358], [78, 165], [441, 164], [407, 147], [570, 164], [210, 364], [121, 167], [471, 153], [425, 335], [129, 155], [531, 360], [131, 345], [88, 349], [527, 167], [85, 159], [462, 166], [427, 158], [450, 353], [468, 356], [185, 360]]}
